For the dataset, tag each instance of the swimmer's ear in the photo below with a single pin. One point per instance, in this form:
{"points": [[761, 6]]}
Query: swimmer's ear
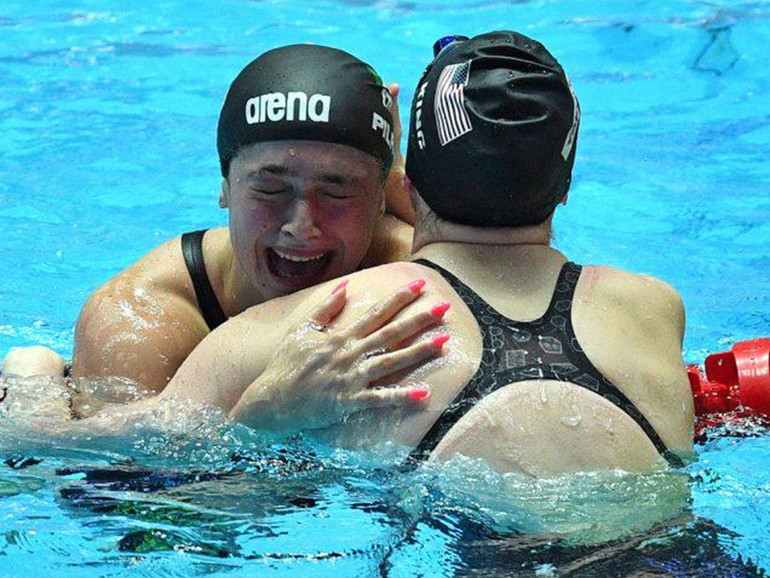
{"points": [[224, 195], [564, 199]]}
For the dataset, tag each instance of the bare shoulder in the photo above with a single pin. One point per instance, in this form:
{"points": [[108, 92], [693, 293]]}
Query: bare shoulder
{"points": [[263, 326], [158, 275], [363, 289], [251, 337], [142, 323], [391, 242], [644, 297], [631, 327]]}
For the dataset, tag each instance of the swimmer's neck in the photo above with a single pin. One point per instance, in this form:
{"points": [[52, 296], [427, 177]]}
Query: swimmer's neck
{"points": [[523, 257], [437, 231]]}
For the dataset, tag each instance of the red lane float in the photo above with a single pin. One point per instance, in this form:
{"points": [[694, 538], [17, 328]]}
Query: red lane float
{"points": [[735, 382]]}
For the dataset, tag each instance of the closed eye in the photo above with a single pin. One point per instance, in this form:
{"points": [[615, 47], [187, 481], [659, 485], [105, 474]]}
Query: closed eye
{"points": [[338, 195], [265, 191]]}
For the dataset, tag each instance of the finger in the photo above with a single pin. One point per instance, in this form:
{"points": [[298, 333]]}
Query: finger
{"points": [[396, 332], [387, 308], [406, 397], [394, 88], [328, 309], [388, 364]]}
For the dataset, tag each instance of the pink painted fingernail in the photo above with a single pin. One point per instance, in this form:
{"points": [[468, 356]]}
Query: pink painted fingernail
{"points": [[419, 394], [440, 340], [440, 309], [340, 286], [416, 286]]}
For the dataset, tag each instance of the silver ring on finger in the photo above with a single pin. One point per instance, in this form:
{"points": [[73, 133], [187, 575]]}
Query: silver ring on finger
{"points": [[374, 353]]}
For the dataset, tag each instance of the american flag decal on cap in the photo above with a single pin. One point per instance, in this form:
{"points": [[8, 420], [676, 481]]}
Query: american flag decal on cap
{"points": [[451, 118]]}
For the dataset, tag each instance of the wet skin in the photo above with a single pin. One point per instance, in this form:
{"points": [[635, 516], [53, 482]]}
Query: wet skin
{"points": [[300, 213]]}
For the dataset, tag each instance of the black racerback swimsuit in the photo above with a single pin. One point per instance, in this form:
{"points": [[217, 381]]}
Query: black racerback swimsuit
{"points": [[514, 351]]}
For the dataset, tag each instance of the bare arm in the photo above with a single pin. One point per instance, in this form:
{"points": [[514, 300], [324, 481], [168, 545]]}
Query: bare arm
{"points": [[294, 376], [312, 372], [139, 325], [334, 372]]}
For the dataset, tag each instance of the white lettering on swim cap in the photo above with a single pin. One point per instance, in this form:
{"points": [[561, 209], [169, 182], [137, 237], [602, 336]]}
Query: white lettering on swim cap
{"points": [[312, 108], [277, 106], [383, 126], [387, 98], [252, 110], [298, 99], [418, 116]]}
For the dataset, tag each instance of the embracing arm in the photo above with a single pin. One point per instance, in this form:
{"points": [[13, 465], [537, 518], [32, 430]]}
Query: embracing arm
{"points": [[321, 373], [270, 374], [312, 374]]}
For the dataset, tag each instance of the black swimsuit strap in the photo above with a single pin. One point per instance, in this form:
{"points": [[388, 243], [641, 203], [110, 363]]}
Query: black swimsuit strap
{"points": [[480, 385], [192, 250]]}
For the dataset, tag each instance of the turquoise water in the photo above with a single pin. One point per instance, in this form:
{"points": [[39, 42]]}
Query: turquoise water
{"points": [[107, 123]]}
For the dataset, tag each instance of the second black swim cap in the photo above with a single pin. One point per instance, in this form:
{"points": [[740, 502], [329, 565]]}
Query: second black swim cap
{"points": [[307, 92], [493, 132]]}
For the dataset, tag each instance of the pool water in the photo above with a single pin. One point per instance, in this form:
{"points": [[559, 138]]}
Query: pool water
{"points": [[107, 122]]}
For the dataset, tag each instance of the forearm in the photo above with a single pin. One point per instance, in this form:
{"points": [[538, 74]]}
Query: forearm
{"points": [[55, 408]]}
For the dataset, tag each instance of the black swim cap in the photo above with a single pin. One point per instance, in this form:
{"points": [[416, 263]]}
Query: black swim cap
{"points": [[307, 92], [493, 132]]}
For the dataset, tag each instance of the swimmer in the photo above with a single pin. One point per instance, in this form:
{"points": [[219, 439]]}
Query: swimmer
{"points": [[552, 367], [306, 140]]}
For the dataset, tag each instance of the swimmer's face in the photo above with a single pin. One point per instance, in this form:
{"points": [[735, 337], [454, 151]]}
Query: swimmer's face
{"points": [[301, 212]]}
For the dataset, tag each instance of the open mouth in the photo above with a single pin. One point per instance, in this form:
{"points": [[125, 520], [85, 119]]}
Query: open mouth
{"points": [[296, 269]]}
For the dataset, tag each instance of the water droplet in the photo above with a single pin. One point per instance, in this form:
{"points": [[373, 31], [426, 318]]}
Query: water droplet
{"points": [[571, 420], [574, 418]]}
